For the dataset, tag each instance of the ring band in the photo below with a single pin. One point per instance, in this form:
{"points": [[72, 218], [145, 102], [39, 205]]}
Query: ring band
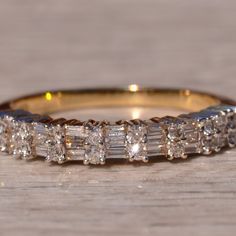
{"points": [[209, 126]]}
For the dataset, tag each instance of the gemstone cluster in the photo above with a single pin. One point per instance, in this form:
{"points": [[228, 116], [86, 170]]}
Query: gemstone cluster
{"points": [[182, 137], [26, 136], [49, 142]]}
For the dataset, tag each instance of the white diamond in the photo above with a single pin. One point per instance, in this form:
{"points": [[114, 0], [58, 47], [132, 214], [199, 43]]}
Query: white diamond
{"points": [[232, 121], [156, 138], [56, 152], [175, 144], [175, 132], [85, 143], [49, 142], [183, 137], [21, 139], [75, 139], [176, 150], [208, 128], [213, 133], [231, 133], [40, 139], [3, 135], [115, 141], [95, 135], [136, 150], [136, 142], [220, 136], [25, 150], [95, 155], [55, 142], [95, 150], [232, 138], [191, 137]]}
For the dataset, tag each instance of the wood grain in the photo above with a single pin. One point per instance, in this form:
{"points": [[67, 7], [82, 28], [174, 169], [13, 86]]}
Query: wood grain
{"points": [[53, 44]]}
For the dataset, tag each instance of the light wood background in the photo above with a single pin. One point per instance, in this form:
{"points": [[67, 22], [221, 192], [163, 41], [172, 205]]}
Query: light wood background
{"points": [[52, 44]]}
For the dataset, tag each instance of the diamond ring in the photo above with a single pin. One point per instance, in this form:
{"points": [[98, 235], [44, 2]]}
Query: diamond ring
{"points": [[27, 131]]}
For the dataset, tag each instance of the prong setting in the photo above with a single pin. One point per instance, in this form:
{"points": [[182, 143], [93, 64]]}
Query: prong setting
{"points": [[25, 136]]}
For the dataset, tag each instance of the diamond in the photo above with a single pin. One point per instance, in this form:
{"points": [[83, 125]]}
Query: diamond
{"points": [[212, 125], [55, 142], [156, 138], [231, 130], [208, 132], [175, 144], [3, 135], [136, 143], [225, 125], [49, 142], [191, 137], [213, 133], [175, 150], [182, 136], [231, 138], [220, 136], [95, 150], [86, 142], [40, 139], [75, 138], [115, 140], [20, 143]]}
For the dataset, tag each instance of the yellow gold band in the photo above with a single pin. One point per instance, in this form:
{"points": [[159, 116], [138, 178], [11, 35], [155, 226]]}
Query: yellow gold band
{"points": [[49, 102]]}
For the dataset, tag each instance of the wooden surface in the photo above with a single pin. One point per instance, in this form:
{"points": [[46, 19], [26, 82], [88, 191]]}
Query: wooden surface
{"points": [[77, 43]]}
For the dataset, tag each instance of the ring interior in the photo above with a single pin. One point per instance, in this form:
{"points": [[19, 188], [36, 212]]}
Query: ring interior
{"points": [[51, 102]]}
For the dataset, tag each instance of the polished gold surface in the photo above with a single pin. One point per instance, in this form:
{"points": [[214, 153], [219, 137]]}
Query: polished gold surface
{"points": [[50, 102]]}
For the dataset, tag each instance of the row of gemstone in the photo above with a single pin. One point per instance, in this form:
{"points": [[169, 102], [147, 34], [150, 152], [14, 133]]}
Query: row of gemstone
{"points": [[26, 136]]}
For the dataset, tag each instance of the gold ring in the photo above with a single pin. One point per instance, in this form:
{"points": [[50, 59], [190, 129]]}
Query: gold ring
{"points": [[27, 131]]}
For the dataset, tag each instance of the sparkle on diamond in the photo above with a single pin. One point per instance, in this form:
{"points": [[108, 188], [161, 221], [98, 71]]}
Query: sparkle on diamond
{"points": [[136, 142]]}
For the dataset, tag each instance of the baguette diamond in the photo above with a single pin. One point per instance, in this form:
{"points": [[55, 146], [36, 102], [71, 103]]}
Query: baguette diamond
{"points": [[75, 140], [115, 140], [3, 135], [86, 142], [156, 140], [25, 135]]}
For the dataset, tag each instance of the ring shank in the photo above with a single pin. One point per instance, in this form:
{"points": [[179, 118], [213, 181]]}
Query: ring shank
{"points": [[56, 101]]}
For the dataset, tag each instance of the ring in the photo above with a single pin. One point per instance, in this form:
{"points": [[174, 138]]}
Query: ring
{"points": [[27, 131]]}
